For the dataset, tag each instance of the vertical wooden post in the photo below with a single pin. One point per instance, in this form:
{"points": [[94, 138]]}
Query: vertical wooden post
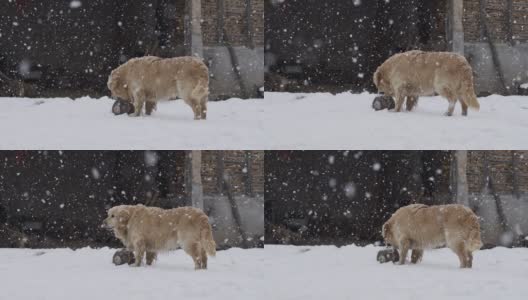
{"points": [[220, 172], [456, 12], [193, 172], [249, 23], [510, 21], [248, 175], [220, 12], [461, 184], [515, 175], [193, 28]]}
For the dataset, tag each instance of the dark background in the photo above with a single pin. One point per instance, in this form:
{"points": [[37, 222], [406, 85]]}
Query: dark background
{"points": [[61, 198], [336, 45], [339, 197], [56, 49]]}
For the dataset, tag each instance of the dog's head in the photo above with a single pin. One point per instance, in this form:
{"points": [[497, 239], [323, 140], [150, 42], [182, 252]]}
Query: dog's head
{"points": [[118, 217], [117, 85], [386, 232], [381, 82]]}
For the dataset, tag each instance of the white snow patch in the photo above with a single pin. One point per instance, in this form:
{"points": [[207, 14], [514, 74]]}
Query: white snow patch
{"points": [[88, 124], [351, 272], [346, 120], [88, 274]]}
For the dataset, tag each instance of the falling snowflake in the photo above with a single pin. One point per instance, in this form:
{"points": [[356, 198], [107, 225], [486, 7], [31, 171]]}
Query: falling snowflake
{"points": [[75, 4], [350, 189]]}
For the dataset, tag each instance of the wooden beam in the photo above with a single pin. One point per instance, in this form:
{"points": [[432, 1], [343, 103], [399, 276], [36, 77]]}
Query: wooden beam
{"points": [[456, 13], [510, 21], [220, 15], [193, 178], [197, 188], [461, 184], [220, 172], [249, 23], [248, 175], [193, 28], [515, 175]]}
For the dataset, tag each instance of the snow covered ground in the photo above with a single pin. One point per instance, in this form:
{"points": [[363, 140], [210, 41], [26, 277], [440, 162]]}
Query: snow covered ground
{"points": [[86, 123], [281, 121], [276, 272], [327, 272], [347, 121], [88, 274]]}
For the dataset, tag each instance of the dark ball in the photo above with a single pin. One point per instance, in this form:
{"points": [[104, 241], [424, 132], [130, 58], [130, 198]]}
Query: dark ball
{"points": [[383, 102], [121, 107], [123, 257], [388, 255]]}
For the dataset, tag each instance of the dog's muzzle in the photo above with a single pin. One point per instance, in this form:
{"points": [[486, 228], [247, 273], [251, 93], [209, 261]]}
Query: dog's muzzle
{"points": [[105, 225]]}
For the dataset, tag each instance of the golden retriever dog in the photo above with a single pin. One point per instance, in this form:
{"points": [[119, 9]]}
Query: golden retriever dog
{"points": [[417, 73], [147, 80], [148, 230], [417, 227]]}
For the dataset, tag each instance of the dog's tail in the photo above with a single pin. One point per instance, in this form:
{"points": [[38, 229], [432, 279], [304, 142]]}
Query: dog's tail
{"points": [[206, 236], [468, 92], [474, 241]]}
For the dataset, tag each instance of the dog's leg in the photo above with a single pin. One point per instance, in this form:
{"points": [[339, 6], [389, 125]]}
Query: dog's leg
{"points": [[404, 248], [399, 102], [451, 107], [139, 252], [416, 255], [460, 251], [469, 257], [193, 249], [204, 108], [411, 102], [204, 259], [197, 109], [151, 256], [149, 107], [139, 100], [446, 93], [464, 107]]}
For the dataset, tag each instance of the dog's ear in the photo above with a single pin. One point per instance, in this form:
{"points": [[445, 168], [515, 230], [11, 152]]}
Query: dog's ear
{"points": [[115, 81], [123, 215]]}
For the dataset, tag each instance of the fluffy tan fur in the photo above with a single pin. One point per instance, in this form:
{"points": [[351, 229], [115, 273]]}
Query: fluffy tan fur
{"points": [[418, 73], [147, 80], [148, 230], [417, 227]]}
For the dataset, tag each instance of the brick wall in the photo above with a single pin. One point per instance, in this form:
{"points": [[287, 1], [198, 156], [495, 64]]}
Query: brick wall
{"points": [[497, 20], [500, 168], [234, 21], [235, 167], [520, 20]]}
